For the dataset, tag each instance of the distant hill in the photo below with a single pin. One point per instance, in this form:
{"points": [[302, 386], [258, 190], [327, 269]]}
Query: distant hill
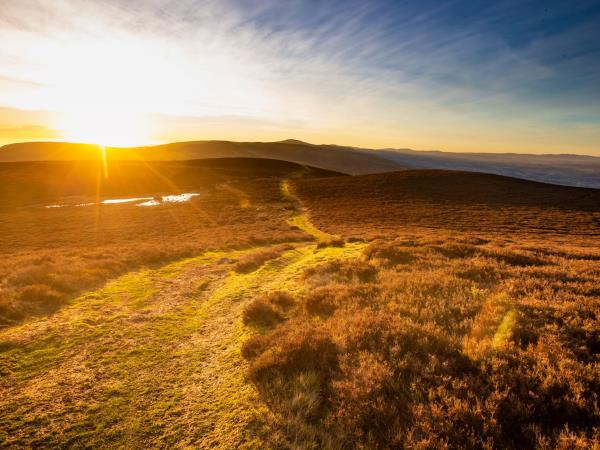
{"points": [[568, 170], [464, 201], [330, 157], [34, 182]]}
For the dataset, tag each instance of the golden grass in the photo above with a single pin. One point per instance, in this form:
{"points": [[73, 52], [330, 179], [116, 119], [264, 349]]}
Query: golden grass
{"points": [[475, 330], [414, 347], [152, 359]]}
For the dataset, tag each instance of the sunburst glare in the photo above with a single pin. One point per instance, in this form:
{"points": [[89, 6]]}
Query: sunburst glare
{"points": [[104, 127]]}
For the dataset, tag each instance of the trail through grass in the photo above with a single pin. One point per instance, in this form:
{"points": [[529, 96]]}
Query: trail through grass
{"points": [[152, 359], [300, 217]]}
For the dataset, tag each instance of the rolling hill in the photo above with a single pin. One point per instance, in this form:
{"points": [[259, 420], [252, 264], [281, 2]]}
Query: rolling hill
{"points": [[443, 199], [273, 308], [330, 157], [568, 170]]}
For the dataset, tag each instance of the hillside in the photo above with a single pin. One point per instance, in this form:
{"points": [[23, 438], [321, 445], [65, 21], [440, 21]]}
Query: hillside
{"points": [[25, 183], [444, 199], [329, 157]]}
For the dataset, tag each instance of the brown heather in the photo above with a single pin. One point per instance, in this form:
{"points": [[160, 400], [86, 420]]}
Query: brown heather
{"points": [[418, 310], [477, 346], [380, 205], [480, 329]]}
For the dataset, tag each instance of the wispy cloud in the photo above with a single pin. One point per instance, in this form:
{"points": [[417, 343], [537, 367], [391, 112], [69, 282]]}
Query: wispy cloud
{"points": [[398, 69]]}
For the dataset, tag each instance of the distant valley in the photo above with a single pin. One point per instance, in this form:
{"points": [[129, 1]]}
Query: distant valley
{"points": [[568, 170]]}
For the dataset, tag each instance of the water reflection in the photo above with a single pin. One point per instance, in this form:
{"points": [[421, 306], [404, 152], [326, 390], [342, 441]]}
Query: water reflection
{"points": [[139, 201], [169, 199], [149, 203], [125, 200]]}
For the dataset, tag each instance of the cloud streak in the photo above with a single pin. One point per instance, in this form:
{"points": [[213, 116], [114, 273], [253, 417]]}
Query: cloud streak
{"points": [[398, 70]]}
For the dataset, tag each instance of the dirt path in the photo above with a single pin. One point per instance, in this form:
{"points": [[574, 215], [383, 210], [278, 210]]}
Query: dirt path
{"points": [[150, 360], [300, 217]]}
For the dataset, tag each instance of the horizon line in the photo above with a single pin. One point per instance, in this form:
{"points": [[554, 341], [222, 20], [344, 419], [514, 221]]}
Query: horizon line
{"points": [[299, 142]]}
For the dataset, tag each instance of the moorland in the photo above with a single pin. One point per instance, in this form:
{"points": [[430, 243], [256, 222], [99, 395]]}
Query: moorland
{"points": [[287, 306]]}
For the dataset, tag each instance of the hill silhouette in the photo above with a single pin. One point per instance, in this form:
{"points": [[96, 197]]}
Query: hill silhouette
{"points": [[330, 157], [564, 169]]}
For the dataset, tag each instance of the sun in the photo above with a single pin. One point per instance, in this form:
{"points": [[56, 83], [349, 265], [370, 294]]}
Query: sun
{"points": [[105, 126]]}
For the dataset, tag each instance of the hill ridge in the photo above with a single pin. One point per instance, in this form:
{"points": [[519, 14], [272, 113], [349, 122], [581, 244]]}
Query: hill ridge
{"points": [[561, 169]]}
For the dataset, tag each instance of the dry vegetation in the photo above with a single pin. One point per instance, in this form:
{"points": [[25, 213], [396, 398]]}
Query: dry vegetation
{"points": [[380, 205], [477, 326], [30, 183], [435, 342], [430, 310], [255, 260]]}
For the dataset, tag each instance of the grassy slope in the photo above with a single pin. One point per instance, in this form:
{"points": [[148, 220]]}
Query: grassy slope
{"points": [[52, 255]]}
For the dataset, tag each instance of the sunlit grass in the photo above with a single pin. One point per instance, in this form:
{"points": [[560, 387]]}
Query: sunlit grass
{"points": [[505, 330], [418, 342], [422, 337]]}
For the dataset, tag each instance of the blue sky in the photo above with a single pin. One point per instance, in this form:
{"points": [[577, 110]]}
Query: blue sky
{"points": [[455, 75]]}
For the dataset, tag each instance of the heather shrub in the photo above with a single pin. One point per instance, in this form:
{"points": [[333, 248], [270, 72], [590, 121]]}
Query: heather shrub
{"points": [[260, 312], [480, 271], [385, 361], [471, 347], [255, 346], [281, 299], [336, 242], [516, 258], [320, 302], [389, 252], [40, 298], [473, 240], [353, 239], [348, 271], [255, 260], [299, 350], [454, 251]]}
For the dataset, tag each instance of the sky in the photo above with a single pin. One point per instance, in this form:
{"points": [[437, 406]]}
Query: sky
{"points": [[478, 76]]}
